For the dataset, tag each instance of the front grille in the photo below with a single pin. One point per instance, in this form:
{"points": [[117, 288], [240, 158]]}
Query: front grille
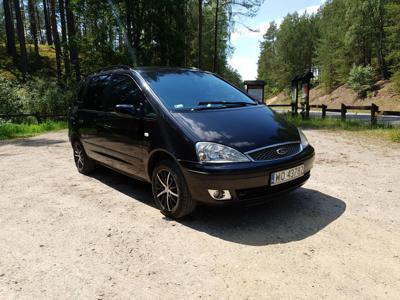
{"points": [[271, 153], [269, 191]]}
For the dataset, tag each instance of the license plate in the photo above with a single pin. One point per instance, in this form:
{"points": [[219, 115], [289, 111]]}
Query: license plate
{"points": [[286, 175]]}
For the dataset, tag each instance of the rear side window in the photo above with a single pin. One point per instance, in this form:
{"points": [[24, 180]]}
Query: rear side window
{"points": [[123, 90], [96, 92]]}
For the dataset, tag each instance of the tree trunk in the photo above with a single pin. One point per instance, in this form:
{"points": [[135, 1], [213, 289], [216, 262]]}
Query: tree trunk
{"points": [[185, 34], [215, 62], [67, 65], [22, 8], [128, 21], [380, 48], [39, 25], [73, 49], [56, 38], [21, 39], [200, 36], [32, 20], [10, 33], [47, 23]]}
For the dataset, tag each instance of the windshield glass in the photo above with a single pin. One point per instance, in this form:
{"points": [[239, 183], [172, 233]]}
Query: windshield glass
{"points": [[186, 89]]}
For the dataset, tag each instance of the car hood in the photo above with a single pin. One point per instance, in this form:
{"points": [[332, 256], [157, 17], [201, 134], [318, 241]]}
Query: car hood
{"points": [[244, 128]]}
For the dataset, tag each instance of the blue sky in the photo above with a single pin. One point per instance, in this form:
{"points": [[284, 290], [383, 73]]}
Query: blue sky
{"points": [[246, 43]]}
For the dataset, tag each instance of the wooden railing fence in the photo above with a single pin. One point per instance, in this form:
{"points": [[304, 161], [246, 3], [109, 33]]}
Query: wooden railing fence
{"points": [[373, 109]]}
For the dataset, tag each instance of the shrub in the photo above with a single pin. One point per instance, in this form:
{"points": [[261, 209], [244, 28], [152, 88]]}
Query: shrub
{"points": [[46, 97], [10, 102], [361, 79], [396, 81], [37, 95]]}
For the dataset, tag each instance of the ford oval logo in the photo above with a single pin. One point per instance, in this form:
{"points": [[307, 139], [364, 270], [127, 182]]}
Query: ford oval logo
{"points": [[282, 151]]}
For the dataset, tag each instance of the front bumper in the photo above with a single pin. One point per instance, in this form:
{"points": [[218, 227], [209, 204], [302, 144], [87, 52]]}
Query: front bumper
{"points": [[247, 182]]}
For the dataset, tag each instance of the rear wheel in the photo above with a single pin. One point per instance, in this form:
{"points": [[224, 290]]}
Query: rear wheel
{"points": [[170, 191], [83, 163]]}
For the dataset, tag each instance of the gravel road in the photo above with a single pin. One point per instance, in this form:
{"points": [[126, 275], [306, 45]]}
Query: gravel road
{"points": [[64, 235]]}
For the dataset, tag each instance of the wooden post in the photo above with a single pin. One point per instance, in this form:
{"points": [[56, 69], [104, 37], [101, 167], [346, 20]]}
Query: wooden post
{"points": [[296, 105], [307, 99], [324, 108], [374, 114], [343, 111], [303, 110]]}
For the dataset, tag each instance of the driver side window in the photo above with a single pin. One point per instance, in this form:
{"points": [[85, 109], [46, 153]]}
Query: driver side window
{"points": [[122, 90]]}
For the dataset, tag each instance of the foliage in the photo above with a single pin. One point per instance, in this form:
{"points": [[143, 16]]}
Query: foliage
{"points": [[268, 61], [361, 79], [287, 51], [233, 76], [95, 34], [160, 33], [396, 81], [10, 102], [331, 51], [342, 34], [392, 30], [11, 130], [43, 97], [37, 95]]}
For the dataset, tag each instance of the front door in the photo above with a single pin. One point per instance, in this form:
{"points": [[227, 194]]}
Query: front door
{"points": [[123, 132]]}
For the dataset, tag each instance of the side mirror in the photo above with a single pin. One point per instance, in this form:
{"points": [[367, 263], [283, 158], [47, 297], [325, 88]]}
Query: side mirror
{"points": [[125, 109]]}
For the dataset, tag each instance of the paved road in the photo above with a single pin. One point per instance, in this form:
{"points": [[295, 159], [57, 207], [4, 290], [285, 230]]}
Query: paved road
{"points": [[68, 236]]}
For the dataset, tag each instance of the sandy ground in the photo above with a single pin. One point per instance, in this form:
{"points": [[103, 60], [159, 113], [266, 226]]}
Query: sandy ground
{"points": [[64, 235]]}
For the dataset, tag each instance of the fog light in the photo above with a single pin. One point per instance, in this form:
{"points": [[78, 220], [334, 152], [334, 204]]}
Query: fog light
{"points": [[220, 194]]}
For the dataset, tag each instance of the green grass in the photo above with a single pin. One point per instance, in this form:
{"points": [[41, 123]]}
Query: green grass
{"points": [[12, 130], [383, 131]]}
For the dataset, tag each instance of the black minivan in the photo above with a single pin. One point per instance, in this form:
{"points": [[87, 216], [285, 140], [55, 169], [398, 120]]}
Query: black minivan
{"points": [[194, 136]]}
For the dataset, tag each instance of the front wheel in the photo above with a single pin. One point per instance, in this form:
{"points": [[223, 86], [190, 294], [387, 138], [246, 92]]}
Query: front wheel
{"points": [[170, 191], [83, 163]]}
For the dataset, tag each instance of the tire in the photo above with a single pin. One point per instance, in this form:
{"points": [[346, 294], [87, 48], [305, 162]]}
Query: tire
{"points": [[173, 199], [83, 163]]}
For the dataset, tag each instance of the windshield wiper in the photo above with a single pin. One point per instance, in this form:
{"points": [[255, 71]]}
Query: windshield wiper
{"points": [[226, 103], [205, 105]]}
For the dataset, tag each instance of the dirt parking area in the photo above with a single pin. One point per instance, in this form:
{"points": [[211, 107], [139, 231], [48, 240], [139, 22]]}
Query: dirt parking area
{"points": [[64, 235]]}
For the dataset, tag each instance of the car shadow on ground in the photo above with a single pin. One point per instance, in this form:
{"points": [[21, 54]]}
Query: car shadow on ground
{"points": [[289, 218], [133, 188]]}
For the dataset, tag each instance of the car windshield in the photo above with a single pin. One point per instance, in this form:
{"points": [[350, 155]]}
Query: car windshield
{"points": [[194, 90]]}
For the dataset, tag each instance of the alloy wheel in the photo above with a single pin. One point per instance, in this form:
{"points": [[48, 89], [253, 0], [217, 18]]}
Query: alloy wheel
{"points": [[79, 156], [167, 191]]}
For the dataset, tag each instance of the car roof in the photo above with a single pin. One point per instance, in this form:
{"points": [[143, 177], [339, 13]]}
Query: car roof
{"points": [[144, 70], [164, 69]]}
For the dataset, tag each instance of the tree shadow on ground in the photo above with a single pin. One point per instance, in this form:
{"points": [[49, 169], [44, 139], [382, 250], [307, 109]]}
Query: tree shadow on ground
{"points": [[289, 218], [37, 142]]}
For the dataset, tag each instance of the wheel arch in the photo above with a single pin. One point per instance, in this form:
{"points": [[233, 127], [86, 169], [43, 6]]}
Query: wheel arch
{"points": [[156, 156]]}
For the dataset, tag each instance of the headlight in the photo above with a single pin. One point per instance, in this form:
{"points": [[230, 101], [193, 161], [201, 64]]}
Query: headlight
{"points": [[303, 139], [216, 153]]}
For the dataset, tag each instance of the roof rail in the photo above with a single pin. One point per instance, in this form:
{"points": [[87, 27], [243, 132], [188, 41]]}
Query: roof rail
{"points": [[113, 67]]}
